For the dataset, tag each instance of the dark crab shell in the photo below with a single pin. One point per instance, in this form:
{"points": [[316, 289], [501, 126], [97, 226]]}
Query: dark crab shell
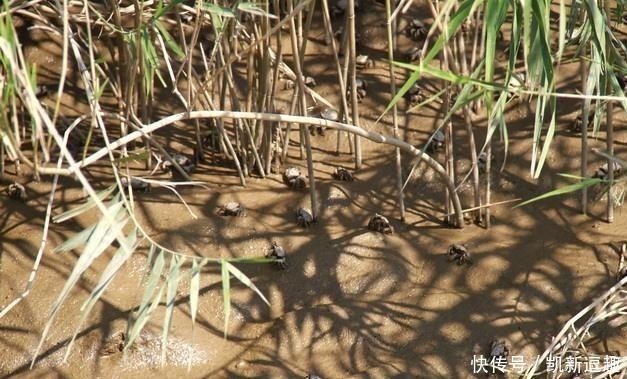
{"points": [[343, 174], [182, 160], [437, 142], [291, 172], [233, 208], [603, 171], [417, 29], [277, 253], [136, 184], [330, 114], [499, 348], [304, 217], [414, 94], [293, 178], [380, 224], [363, 61], [459, 253], [16, 191]]}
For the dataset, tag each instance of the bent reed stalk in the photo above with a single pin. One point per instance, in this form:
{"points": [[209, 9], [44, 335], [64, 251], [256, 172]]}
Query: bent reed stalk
{"points": [[282, 120]]}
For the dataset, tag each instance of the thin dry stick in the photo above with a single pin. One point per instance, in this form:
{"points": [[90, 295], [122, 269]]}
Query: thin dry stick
{"points": [[488, 165], [471, 136], [399, 173], [350, 7], [303, 106], [338, 67], [235, 58], [584, 136], [610, 163]]}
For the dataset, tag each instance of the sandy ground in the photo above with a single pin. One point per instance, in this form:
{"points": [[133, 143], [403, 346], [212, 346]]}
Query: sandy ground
{"points": [[352, 303]]}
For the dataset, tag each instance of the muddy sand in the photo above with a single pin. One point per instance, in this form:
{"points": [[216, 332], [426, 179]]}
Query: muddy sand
{"points": [[352, 303]]}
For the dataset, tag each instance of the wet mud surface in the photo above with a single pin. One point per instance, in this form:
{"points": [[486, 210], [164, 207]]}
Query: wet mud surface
{"points": [[351, 303]]}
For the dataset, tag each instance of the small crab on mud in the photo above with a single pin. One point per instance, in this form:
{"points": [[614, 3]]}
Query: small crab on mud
{"points": [[459, 253], [16, 191], [343, 175], [293, 178], [232, 208], [499, 348], [603, 171], [380, 224], [329, 114], [414, 94], [277, 253], [361, 89], [363, 61], [182, 160], [136, 184], [304, 217], [416, 29], [437, 142]]}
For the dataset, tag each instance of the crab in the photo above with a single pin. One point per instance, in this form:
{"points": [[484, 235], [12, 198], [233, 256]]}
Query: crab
{"points": [[340, 7], [380, 224], [603, 171], [293, 178], [326, 114], [361, 88], [307, 81], [343, 175], [16, 191], [277, 253], [136, 184], [499, 348], [459, 253], [416, 29], [413, 94], [482, 161], [437, 142], [330, 114], [577, 125], [232, 208], [186, 164], [304, 217], [362, 61]]}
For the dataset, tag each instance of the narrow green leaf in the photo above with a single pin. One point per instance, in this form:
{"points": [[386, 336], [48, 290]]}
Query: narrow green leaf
{"points": [[163, 10], [143, 318], [106, 277], [246, 280], [101, 237], [143, 312], [172, 282], [77, 240], [547, 141], [194, 289], [253, 9], [169, 40], [91, 202], [134, 157], [563, 190], [226, 294], [451, 28], [218, 10]]}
